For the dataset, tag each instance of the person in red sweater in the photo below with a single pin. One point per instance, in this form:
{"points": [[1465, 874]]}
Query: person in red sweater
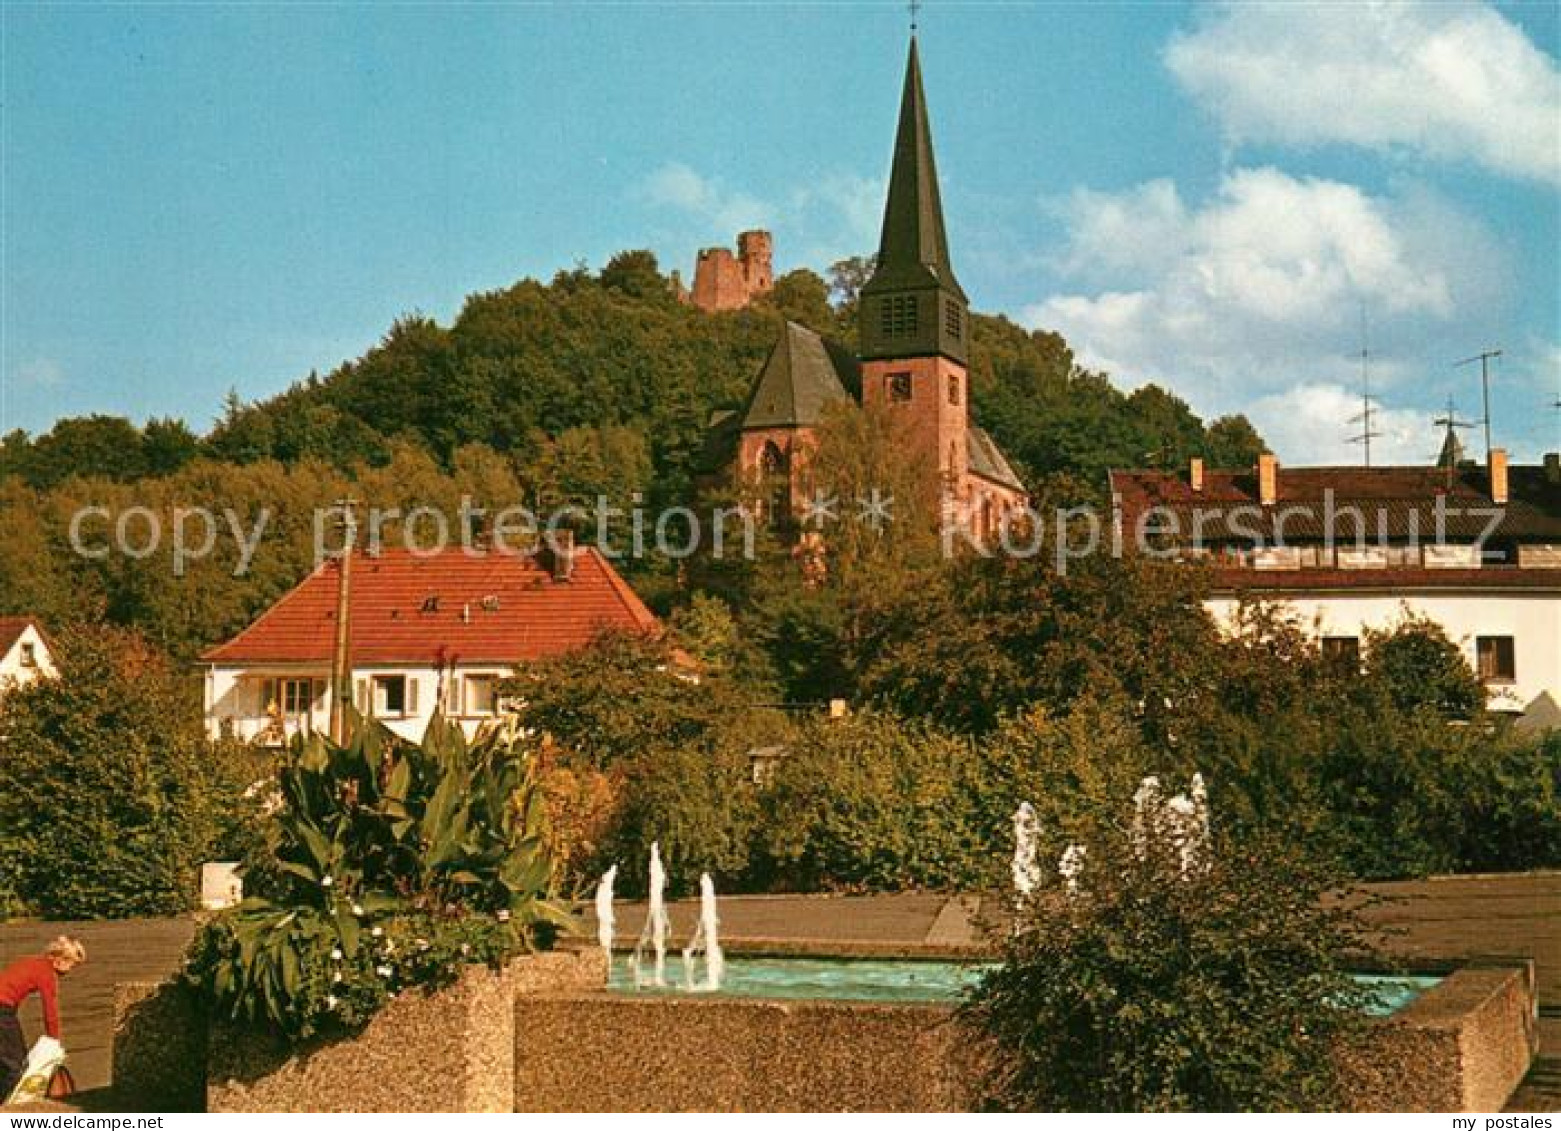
{"points": [[39, 974]]}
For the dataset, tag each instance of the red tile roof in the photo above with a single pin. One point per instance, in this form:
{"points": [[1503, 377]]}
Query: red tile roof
{"points": [[1397, 580], [11, 629], [491, 608], [1396, 502]]}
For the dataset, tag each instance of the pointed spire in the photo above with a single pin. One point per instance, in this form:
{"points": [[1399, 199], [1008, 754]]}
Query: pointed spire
{"points": [[913, 248], [913, 306]]}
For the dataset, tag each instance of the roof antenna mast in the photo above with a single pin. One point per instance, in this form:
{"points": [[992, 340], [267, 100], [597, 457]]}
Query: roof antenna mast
{"points": [[1451, 454], [1368, 409], [1485, 383]]}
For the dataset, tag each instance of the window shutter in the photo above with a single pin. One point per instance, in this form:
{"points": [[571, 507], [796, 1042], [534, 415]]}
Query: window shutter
{"points": [[411, 696], [363, 697]]}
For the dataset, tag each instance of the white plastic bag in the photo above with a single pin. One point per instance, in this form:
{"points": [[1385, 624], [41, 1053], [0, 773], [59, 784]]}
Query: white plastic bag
{"points": [[43, 1061]]}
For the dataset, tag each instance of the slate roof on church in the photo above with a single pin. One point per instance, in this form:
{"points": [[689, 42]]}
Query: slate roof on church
{"points": [[913, 249], [986, 459], [445, 608], [803, 373]]}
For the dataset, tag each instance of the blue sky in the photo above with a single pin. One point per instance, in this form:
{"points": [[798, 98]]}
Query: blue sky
{"points": [[205, 197]]}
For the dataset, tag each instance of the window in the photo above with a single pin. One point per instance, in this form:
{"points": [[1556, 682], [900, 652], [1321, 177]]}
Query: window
{"points": [[297, 697], [481, 694], [29, 655], [953, 321], [772, 461], [953, 388], [1495, 658], [1342, 651], [897, 316], [899, 387], [394, 695]]}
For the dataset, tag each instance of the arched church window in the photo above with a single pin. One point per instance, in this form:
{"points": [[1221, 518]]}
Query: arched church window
{"points": [[953, 388], [772, 461]]}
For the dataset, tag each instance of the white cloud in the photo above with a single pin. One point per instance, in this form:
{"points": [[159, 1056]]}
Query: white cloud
{"points": [[723, 211], [1314, 423], [40, 373], [832, 216], [1255, 295], [1450, 81]]}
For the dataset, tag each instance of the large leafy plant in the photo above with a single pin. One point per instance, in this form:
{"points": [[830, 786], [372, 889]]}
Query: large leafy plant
{"points": [[391, 866]]}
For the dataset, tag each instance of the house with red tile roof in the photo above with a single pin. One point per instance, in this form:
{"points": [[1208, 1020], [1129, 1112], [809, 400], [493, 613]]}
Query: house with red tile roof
{"points": [[25, 654], [426, 631], [1475, 549]]}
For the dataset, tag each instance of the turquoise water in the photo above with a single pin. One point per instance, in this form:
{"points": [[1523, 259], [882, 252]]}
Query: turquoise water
{"points": [[905, 980]]}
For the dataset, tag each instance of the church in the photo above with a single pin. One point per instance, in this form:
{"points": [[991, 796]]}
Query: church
{"points": [[914, 334]]}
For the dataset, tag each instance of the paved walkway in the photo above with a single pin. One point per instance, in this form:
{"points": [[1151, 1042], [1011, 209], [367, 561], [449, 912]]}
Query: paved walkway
{"points": [[1452, 917]]}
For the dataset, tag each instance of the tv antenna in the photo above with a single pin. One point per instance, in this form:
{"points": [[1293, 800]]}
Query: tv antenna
{"points": [[1451, 454], [1368, 407], [1485, 384]]}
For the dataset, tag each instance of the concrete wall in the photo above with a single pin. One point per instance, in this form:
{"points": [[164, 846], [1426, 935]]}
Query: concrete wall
{"points": [[449, 1051], [1463, 1046], [705, 1054], [542, 1036]]}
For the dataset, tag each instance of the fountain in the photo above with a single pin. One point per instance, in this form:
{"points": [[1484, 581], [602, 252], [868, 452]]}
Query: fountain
{"points": [[656, 924], [1071, 866], [1026, 869], [1182, 821], [706, 940], [605, 921]]}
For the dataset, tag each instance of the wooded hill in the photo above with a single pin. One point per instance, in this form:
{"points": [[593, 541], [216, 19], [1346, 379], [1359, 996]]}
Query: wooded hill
{"points": [[597, 383]]}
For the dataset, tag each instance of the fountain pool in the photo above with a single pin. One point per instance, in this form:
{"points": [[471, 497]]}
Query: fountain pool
{"points": [[914, 980]]}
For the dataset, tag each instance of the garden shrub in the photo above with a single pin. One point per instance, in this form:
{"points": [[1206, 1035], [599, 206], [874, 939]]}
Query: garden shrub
{"points": [[394, 866], [1151, 989], [111, 796]]}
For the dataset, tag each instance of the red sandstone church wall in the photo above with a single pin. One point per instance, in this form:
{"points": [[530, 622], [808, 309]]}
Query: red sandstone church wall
{"points": [[935, 426]]}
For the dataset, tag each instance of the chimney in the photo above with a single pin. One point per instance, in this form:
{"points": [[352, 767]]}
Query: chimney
{"points": [[1499, 476], [1195, 474], [1267, 479], [1553, 468], [561, 553]]}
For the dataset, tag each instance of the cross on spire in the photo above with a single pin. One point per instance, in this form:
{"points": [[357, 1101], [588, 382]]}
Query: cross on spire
{"points": [[915, 7]]}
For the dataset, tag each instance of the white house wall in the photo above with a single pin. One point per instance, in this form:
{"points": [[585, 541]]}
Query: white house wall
{"points": [[233, 697], [1533, 620], [14, 672]]}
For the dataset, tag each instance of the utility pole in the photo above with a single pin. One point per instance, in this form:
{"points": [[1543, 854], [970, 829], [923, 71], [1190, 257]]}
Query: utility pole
{"points": [[1485, 383], [341, 662]]}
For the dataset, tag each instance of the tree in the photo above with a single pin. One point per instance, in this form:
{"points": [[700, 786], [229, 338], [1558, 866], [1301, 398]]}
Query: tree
{"points": [[1152, 987], [638, 275], [110, 794], [167, 445], [1422, 669], [801, 296]]}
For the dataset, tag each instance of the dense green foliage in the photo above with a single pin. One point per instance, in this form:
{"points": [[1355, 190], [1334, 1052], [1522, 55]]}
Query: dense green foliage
{"points": [[391, 866], [987, 682], [1151, 989], [593, 384], [110, 795]]}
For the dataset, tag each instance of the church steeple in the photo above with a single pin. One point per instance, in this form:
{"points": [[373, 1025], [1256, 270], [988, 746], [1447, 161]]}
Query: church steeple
{"points": [[913, 306]]}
